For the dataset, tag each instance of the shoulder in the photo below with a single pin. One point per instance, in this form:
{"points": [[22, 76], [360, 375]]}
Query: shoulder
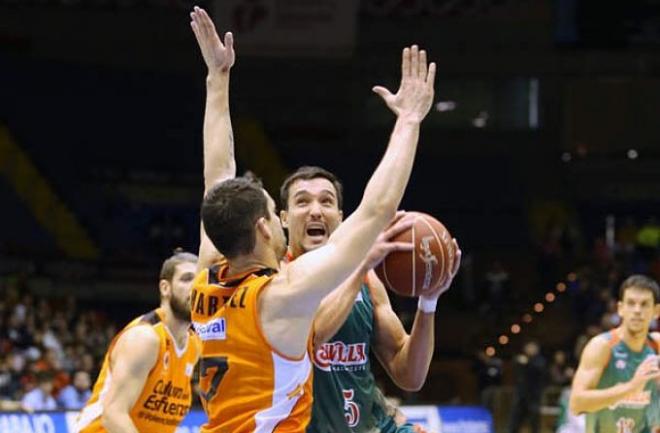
{"points": [[138, 339], [597, 350]]}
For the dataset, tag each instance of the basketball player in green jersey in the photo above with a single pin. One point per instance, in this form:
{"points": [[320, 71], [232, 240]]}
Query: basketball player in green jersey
{"points": [[356, 320], [356, 406], [616, 383]]}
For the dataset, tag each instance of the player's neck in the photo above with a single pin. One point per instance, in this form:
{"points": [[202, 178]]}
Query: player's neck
{"points": [[242, 264], [177, 327], [634, 341]]}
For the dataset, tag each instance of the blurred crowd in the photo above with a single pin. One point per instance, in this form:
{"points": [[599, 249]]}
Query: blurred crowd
{"points": [[50, 350]]}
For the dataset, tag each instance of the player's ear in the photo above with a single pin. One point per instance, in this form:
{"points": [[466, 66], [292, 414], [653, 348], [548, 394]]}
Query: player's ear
{"points": [[262, 228], [619, 308], [284, 218], [341, 215], [164, 288], [657, 311]]}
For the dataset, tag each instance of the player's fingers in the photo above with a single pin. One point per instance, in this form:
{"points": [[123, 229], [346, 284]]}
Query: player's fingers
{"points": [[414, 61], [423, 68], [399, 246], [382, 92], [405, 63], [399, 227], [457, 262], [430, 78], [229, 40]]}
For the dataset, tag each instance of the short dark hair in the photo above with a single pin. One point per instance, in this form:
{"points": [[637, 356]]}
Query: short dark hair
{"points": [[169, 265], [229, 211], [308, 172], [640, 282]]}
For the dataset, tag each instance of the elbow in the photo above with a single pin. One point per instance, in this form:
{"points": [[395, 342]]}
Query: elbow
{"points": [[574, 406], [410, 382]]}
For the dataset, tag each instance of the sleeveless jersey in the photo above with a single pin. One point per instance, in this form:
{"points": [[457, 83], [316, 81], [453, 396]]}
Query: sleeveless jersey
{"points": [[167, 395], [246, 385], [346, 399], [635, 413]]}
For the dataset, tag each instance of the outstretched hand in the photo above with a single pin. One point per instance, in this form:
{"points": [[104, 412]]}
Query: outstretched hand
{"points": [[219, 56], [414, 98]]}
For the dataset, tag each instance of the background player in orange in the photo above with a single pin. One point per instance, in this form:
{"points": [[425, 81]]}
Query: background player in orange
{"points": [[144, 383], [255, 324]]}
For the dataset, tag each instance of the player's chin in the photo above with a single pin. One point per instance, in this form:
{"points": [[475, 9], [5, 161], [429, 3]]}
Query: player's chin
{"points": [[312, 243]]}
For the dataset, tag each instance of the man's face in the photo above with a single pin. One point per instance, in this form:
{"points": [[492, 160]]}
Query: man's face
{"points": [[313, 214], [81, 381], [637, 310], [180, 288]]}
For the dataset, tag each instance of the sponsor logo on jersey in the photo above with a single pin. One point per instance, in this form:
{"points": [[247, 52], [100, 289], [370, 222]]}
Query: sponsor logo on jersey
{"points": [[620, 364], [619, 354], [634, 401], [338, 353], [215, 329]]}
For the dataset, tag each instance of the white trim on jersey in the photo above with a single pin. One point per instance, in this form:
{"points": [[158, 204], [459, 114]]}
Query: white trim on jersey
{"points": [[289, 381]]}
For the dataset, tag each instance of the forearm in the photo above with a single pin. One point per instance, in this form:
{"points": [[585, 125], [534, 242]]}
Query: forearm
{"points": [[118, 422], [336, 307], [388, 183], [410, 364], [219, 161], [593, 400]]}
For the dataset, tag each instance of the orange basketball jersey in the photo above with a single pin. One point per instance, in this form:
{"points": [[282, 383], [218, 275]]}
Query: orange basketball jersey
{"points": [[246, 385], [167, 394]]}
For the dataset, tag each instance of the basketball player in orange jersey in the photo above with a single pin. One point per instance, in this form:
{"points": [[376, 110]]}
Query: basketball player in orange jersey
{"points": [[254, 322], [144, 384]]}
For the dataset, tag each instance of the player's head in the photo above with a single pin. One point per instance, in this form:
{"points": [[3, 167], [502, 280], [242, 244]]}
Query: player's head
{"points": [[239, 217], [639, 303], [311, 200], [176, 276]]}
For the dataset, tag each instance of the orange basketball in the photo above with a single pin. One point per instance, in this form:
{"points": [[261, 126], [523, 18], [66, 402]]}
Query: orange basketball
{"points": [[423, 270]]}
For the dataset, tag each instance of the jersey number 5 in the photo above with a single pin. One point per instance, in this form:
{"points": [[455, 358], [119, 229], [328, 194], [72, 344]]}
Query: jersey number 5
{"points": [[351, 409], [221, 365]]}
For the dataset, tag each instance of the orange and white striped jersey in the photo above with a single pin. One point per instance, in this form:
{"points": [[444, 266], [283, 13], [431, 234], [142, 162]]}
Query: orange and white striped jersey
{"points": [[247, 386], [167, 395]]}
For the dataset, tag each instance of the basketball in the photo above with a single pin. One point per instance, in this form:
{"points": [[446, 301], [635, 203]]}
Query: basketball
{"points": [[423, 270]]}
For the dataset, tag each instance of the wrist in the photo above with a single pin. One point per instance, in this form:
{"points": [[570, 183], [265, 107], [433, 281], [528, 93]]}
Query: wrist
{"points": [[217, 79], [427, 304], [409, 119]]}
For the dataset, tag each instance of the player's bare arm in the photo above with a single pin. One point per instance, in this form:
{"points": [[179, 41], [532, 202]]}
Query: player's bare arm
{"points": [[584, 396], [132, 358], [336, 307], [219, 160], [406, 358], [295, 294]]}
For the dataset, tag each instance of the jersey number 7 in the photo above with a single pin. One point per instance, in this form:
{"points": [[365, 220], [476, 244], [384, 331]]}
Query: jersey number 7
{"points": [[221, 365]]}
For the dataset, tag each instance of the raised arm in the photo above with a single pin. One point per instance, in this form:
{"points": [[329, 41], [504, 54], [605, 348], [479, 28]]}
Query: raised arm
{"points": [[313, 275], [219, 160], [584, 396], [133, 357]]}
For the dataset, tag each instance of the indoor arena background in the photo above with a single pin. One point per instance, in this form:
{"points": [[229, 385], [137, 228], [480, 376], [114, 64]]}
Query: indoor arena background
{"points": [[541, 155]]}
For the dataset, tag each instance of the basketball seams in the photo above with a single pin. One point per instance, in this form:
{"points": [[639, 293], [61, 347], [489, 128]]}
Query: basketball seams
{"points": [[441, 247], [387, 279]]}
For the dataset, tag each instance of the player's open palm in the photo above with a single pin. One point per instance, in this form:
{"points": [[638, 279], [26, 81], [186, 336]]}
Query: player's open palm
{"points": [[414, 98], [219, 56]]}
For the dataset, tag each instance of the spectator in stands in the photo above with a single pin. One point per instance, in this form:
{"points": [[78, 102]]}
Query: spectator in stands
{"points": [[489, 376], [74, 396], [40, 398], [497, 285], [529, 371], [559, 370]]}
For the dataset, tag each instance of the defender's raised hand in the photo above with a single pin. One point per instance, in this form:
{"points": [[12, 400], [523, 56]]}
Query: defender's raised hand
{"points": [[219, 56], [414, 98]]}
